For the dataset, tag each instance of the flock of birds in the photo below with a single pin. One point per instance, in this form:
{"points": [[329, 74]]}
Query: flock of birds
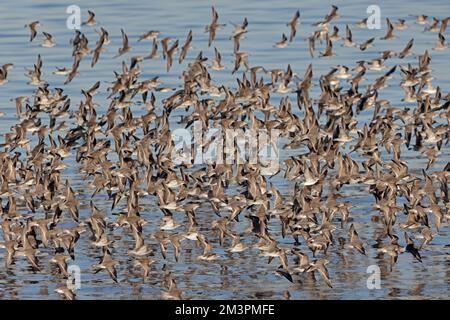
{"points": [[129, 158]]}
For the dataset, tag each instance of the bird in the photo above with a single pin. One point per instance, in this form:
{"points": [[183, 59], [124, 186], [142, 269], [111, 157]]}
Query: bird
{"points": [[90, 20], [213, 26], [390, 31], [73, 70], [145, 264], [173, 292], [441, 44], [103, 40], [207, 248], [434, 27], [293, 25], [355, 242], [283, 43], [107, 263], [175, 240], [48, 42], [4, 73], [320, 266], [367, 44], [329, 49], [401, 24], [61, 261], [239, 30], [67, 293], [285, 273], [362, 24], [149, 35], [411, 248], [64, 71], [170, 53], [407, 50], [348, 40], [422, 19], [154, 53], [125, 46], [186, 47], [237, 245], [303, 261], [217, 62], [33, 26], [393, 249], [10, 252]]}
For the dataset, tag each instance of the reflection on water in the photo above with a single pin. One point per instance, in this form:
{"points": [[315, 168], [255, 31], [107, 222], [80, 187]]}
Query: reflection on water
{"points": [[237, 275]]}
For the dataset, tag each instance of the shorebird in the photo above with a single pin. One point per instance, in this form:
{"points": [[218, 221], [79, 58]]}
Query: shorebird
{"points": [[33, 26], [186, 47], [401, 24], [169, 55], [154, 53], [441, 44], [348, 40], [407, 50], [66, 293], [149, 35], [27, 250], [125, 46], [293, 25], [312, 44], [411, 248], [62, 71], [104, 40], [9, 246], [335, 35], [4, 73], [329, 17], [329, 49], [73, 70], [213, 26], [239, 31], [367, 44], [393, 249], [283, 43], [285, 273], [362, 24], [427, 236], [303, 262], [434, 27], [237, 245], [19, 104], [173, 292], [107, 263], [207, 248], [140, 248], [169, 223], [422, 19], [390, 31], [48, 42], [61, 261], [90, 20], [175, 240], [145, 264], [320, 266], [35, 75], [355, 242], [217, 62]]}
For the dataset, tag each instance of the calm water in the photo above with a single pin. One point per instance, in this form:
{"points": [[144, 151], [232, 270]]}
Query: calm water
{"points": [[242, 275]]}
